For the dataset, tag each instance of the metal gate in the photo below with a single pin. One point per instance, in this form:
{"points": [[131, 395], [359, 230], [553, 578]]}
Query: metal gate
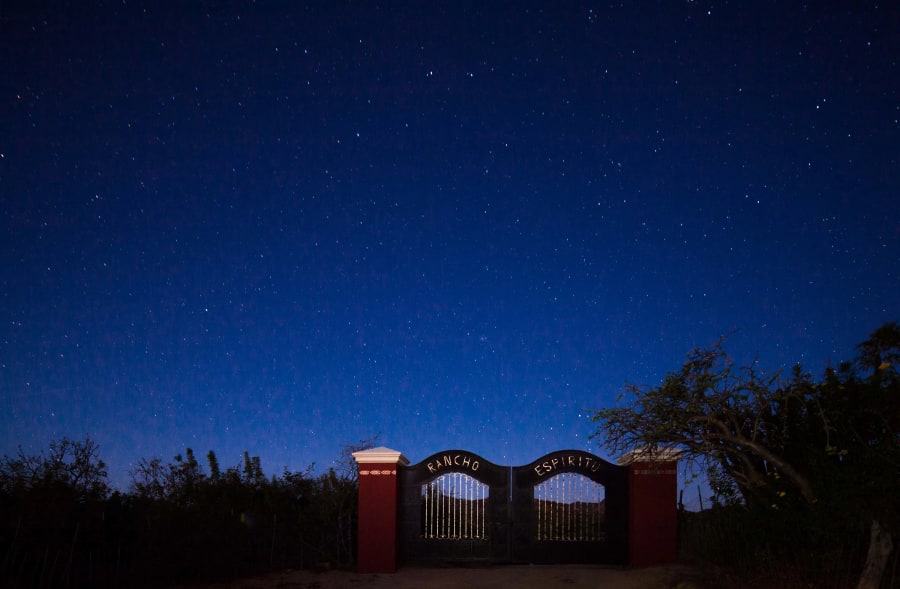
{"points": [[565, 507]]}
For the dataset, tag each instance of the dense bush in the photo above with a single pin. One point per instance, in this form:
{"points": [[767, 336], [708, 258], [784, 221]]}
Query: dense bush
{"points": [[806, 471], [777, 548], [61, 526]]}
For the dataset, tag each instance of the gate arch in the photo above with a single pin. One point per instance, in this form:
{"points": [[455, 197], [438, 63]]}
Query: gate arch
{"points": [[454, 506], [570, 506]]}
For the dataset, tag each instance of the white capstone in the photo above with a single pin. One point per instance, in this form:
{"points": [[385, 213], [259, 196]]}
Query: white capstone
{"points": [[380, 455], [647, 454]]}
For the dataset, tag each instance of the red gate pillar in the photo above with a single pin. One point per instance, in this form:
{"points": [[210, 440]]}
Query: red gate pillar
{"points": [[652, 506], [378, 499]]}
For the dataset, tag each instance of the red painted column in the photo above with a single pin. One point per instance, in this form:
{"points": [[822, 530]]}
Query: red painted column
{"points": [[378, 503], [652, 507]]}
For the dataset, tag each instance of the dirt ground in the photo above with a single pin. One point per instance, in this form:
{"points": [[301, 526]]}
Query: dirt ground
{"points": [[497, 577]]}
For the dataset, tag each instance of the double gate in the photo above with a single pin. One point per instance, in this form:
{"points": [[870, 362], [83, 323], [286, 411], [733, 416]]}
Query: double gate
{"points": [[565, 507]]}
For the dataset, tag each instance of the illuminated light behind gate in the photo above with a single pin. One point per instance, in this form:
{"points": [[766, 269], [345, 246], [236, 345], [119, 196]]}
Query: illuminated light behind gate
{"points": [[455, 508], [569, 507]]}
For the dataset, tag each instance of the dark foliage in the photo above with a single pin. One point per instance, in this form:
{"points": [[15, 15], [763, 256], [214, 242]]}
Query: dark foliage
{"points": [[60, 526], [806, 473]]}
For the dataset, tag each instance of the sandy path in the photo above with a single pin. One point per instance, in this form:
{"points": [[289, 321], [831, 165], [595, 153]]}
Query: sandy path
{"points": [[499, 577]]}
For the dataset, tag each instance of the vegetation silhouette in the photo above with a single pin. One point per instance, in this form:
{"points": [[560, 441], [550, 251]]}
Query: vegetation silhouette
{"points": [[805, 472], [61, 525]]}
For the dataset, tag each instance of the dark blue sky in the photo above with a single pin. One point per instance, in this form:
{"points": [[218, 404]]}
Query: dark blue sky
{"points": [[263, 226]]}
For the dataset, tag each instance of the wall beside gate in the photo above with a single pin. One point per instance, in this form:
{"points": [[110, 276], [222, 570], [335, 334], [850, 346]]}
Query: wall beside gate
{"points": [[567, 506], [652, 507], [378, 499]]}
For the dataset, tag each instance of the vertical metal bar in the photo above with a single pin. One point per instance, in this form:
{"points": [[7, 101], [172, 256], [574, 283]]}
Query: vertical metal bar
{"points": [[465, 506], [441, 507], [567, 491], [484, 500], [548, 515], [457, 519], [545, 507], [573, 496], [462, 506], [583, 501], [479, 492], [468, 507], [565, 506], [457, 501], [591, 515], [456, 506], [475, 489], [561, 507], [588, 502], [577, 505], [451, 480], [568, 506], [578, 490], [472, 490], [467, 520], [545, 525], [554, 514], [548, 524], [478, 511], [539, 508], [429, 507]]}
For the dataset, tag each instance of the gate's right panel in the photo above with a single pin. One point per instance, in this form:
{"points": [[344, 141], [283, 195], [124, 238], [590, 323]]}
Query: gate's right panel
{"points": [[569, 507]]}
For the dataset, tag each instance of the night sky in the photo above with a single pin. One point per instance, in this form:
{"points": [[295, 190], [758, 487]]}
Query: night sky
{"points": [[280, 228]]}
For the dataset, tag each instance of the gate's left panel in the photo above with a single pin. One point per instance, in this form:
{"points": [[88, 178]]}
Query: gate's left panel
{"points": [[454, 506]]}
